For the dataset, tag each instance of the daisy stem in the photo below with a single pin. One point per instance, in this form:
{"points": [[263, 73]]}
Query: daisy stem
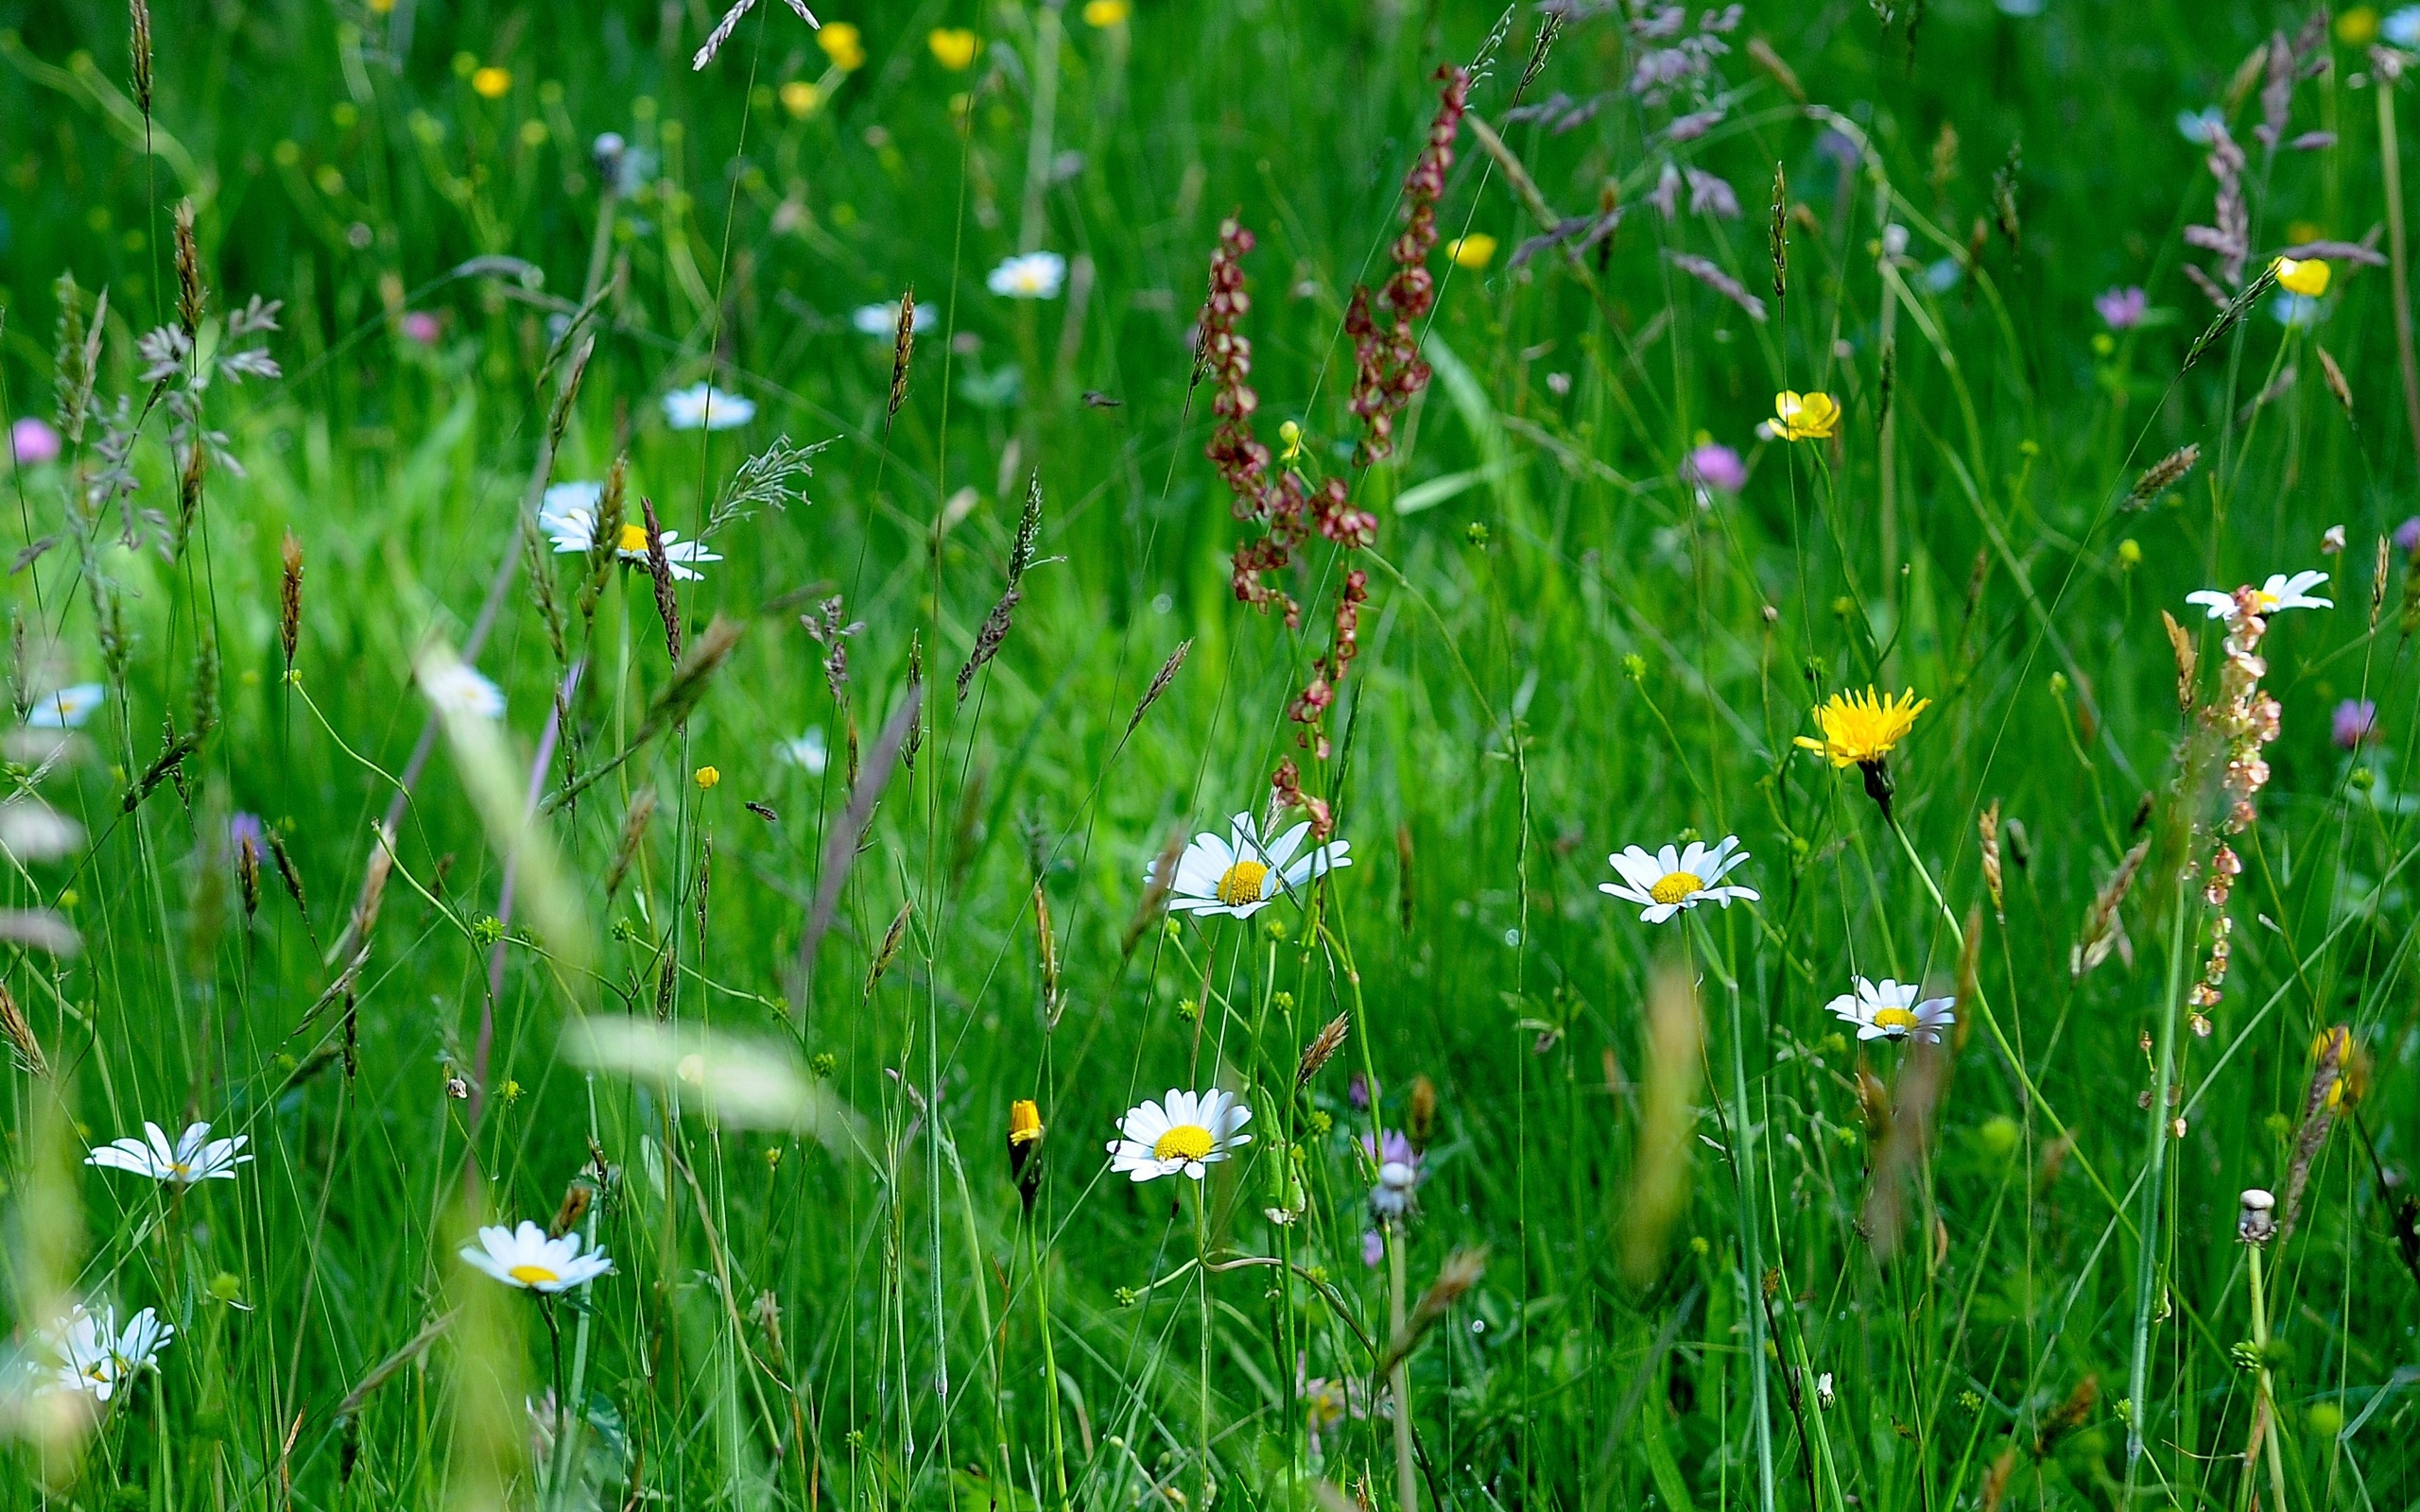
{"points": [[1201, 1251], [2008, 1052], [1740, 1140], [561, 1467]]}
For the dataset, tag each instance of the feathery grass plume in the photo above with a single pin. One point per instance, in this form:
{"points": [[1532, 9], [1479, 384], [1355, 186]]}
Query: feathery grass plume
{"points": [[541, 587], [1777, 237], [2336, 1085], [1461, 1272], [174, 749], [659, 566], [1322, 1049], [2188, 662], [612, 507], [2104, 930], [915, 687], [290, 597], [191, 295], [840, 849], [671, 706], [2262, 284], [248, 875], [2379, 581], [1160, 880], [1760, 53], [139, 46], [888, 950], [76, 364], [1970, 979], [1046, 950], [902, 353], [2162, 475], [995, 624], [1988, 829], [20, 1036], [730, 23], [1713, 276], [1659, 1185], [1160, 680], [367, 903], [704, 887], [2336, 384], [189, 492], [567, 393], [634, 823]]}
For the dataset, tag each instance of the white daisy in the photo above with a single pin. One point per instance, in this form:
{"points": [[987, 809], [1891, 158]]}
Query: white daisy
{"points": [[95, 1357], [1029, 276], [2402, 27], [1676, 879], [525, 1256], [67, 709], [454, 688], [1243, 875], [883, 319], [1889, 1011], [195, 1156], [2280, 591], [702, 407], [568, 517], [1192, 1132], [809, 753]]}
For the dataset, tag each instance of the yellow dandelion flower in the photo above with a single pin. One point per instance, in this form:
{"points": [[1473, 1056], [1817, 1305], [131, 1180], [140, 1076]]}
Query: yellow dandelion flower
{"points": [[1107, 13], [2308, 277], [954, 47], [801, 98], [492, 83], [1474, 251], [1861, 729], [844, 44], [1809, 417], [707, 777], [1025, 1122]]}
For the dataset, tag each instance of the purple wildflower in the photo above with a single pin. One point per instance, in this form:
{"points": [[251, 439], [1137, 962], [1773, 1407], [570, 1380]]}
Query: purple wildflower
{"points": [[33, 442], [2407, 535], [2122, 309], [1715, 466], [1373, 1248], [2357, 720]]}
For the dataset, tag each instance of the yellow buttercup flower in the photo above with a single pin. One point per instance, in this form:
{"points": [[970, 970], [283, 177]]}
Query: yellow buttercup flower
{"points": [[799, 97], [1860, 729], [707, 777], [954, 47], [844, 44], [2308, 277], [1107, 13], [1809, 417], [1474, 251], [2358, 28], [492, 83]]}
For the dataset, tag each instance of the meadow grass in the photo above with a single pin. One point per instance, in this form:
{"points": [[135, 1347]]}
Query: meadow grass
{"points": [[732, 943]]}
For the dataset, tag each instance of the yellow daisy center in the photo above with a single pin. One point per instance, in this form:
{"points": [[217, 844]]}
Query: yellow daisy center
{"points": [[2266, 599], [534, 1275], [634, 537], [1894, 1019], [1186, 1142], [1242, 883], [1675, 888]]}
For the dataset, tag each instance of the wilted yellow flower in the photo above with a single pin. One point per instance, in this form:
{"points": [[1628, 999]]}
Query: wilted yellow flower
{"points": [[799, 97], [1107, 13], [844, 44], [1805, 417], [1025, 1122], [707, 777], [1860, 729], [2358, 28], [492, 83], [2308, 277], [1474, 251], [954, 47]]}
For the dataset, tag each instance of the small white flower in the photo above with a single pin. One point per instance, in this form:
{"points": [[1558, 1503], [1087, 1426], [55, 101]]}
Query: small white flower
{"points": [[883, 319], [702, 407], [525, 1256], [67, 709], [2279, 592], [457, 689], [195, 1156], [1823, 1392], [2402, 26], [1674, 879], [2196, 125], [1889, 1011], [1029, 276], [568, 518], [1243, 875], [95, 1357], [1192, 1132], [808, 752]]}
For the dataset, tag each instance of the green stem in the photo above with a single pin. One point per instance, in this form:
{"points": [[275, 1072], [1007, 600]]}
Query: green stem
{"points": [[2268, 1388]]}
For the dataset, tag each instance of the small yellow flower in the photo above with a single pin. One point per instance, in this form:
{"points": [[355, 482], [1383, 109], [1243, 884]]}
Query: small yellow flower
{"points": [[844, 44], [800, 98], [2130, 554], [1860, 729], [2309, 276], [954, 47], [1025, 1122], [1107, 13], [1809, 417], [509, 1092], [1474, 251], [2352, 1067], [492, 83], [707, 777], [2358, 28]]}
